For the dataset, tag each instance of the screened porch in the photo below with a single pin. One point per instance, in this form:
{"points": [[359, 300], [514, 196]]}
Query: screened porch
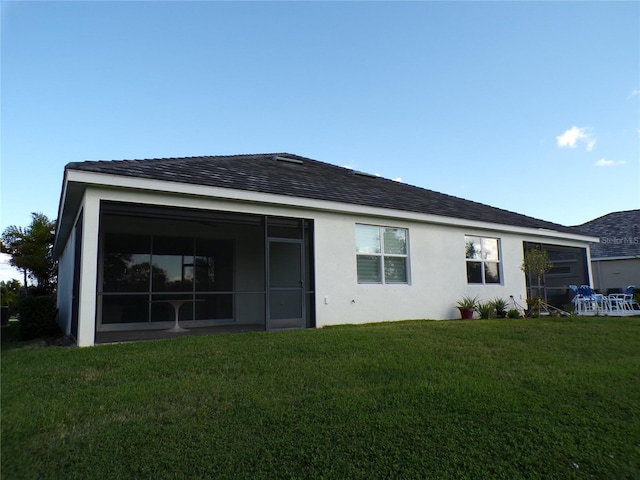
{"points": [[198, 271]]}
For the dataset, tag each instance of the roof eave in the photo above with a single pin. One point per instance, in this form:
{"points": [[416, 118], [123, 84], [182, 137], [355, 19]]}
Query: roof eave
{"points": [[68, 206], [78, 177]]}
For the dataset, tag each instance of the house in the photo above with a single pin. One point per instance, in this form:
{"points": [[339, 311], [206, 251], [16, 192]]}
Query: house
{"points": [[615, 260], [279, 241]]}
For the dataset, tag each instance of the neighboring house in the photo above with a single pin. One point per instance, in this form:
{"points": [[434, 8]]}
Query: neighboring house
{"points": [[615, 261], [280, 241]]}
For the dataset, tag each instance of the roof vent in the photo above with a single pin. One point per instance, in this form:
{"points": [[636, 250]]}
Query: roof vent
{"points": [[287, 159], [362, 174]]}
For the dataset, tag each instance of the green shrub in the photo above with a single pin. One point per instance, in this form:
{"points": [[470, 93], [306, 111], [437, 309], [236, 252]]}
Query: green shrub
{"points": [[513, 313], [37, 317], [486, 310], [10, 334], [500, 306]]}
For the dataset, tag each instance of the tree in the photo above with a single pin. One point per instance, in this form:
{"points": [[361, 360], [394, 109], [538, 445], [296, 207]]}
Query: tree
{"points": [[536, 263], [31, 250], [10, 295]]}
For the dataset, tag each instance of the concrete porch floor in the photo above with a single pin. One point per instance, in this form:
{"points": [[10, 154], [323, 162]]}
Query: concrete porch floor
{"points": [[141, 335]]}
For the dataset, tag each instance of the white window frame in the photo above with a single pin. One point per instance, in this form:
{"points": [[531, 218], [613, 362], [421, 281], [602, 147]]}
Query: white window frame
{"points": [[483, 259], [382, 255]]}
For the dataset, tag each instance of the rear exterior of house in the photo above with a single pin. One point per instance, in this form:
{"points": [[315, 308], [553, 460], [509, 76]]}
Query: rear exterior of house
{"points": [[279, 241]]}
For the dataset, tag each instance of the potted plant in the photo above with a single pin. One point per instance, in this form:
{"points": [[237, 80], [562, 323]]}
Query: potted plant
{"points": [[467, 306], [500, 306]]}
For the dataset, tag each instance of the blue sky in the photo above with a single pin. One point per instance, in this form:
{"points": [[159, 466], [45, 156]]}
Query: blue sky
{"points": [[532, 107]]}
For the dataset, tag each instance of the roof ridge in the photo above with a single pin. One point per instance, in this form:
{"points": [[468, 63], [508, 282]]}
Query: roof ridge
{"points": [[153, 159], [610, 214]]}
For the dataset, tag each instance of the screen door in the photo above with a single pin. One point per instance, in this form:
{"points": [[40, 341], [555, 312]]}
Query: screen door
{"points": [[286, 285]]}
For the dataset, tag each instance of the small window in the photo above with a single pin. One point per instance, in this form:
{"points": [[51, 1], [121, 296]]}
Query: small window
{"points": [[382, 254], [483, 260]]}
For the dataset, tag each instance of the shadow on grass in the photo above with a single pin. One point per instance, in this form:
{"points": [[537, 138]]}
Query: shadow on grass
{"points": [[10, 339]]}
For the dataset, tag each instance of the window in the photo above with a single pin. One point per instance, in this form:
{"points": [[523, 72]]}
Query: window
{"points": [[381, 254], [483, 259]]}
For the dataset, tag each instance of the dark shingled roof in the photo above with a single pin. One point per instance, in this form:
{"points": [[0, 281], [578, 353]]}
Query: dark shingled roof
{"points": [[313, 180], [619, 234]]}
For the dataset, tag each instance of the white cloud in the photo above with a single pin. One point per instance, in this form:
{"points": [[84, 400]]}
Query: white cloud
{"points": [[605, 162], [576, 136], [7, 272], [635, 93]]}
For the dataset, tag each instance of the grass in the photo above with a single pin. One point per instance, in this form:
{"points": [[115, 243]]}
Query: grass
{"points": [[541, 398]]}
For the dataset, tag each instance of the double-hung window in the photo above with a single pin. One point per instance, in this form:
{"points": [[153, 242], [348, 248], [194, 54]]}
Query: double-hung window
{"points": [[382, 254], [483, 260]]}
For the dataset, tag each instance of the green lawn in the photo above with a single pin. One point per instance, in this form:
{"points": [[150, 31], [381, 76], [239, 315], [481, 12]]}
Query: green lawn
{"points": [[535, 398]]}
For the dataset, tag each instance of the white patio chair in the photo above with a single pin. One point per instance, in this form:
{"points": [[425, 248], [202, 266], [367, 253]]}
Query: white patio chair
{"points": [[585, 301], [624, 303]]}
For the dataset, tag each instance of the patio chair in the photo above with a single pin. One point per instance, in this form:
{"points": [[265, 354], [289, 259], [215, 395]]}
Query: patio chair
{"points": [[583, 304], [587, 302], [624, 302]]}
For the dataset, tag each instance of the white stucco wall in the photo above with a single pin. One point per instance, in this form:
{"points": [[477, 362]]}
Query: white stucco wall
{"points": [[437, 273], [436, 254], [88, 270], [65, 285]]}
